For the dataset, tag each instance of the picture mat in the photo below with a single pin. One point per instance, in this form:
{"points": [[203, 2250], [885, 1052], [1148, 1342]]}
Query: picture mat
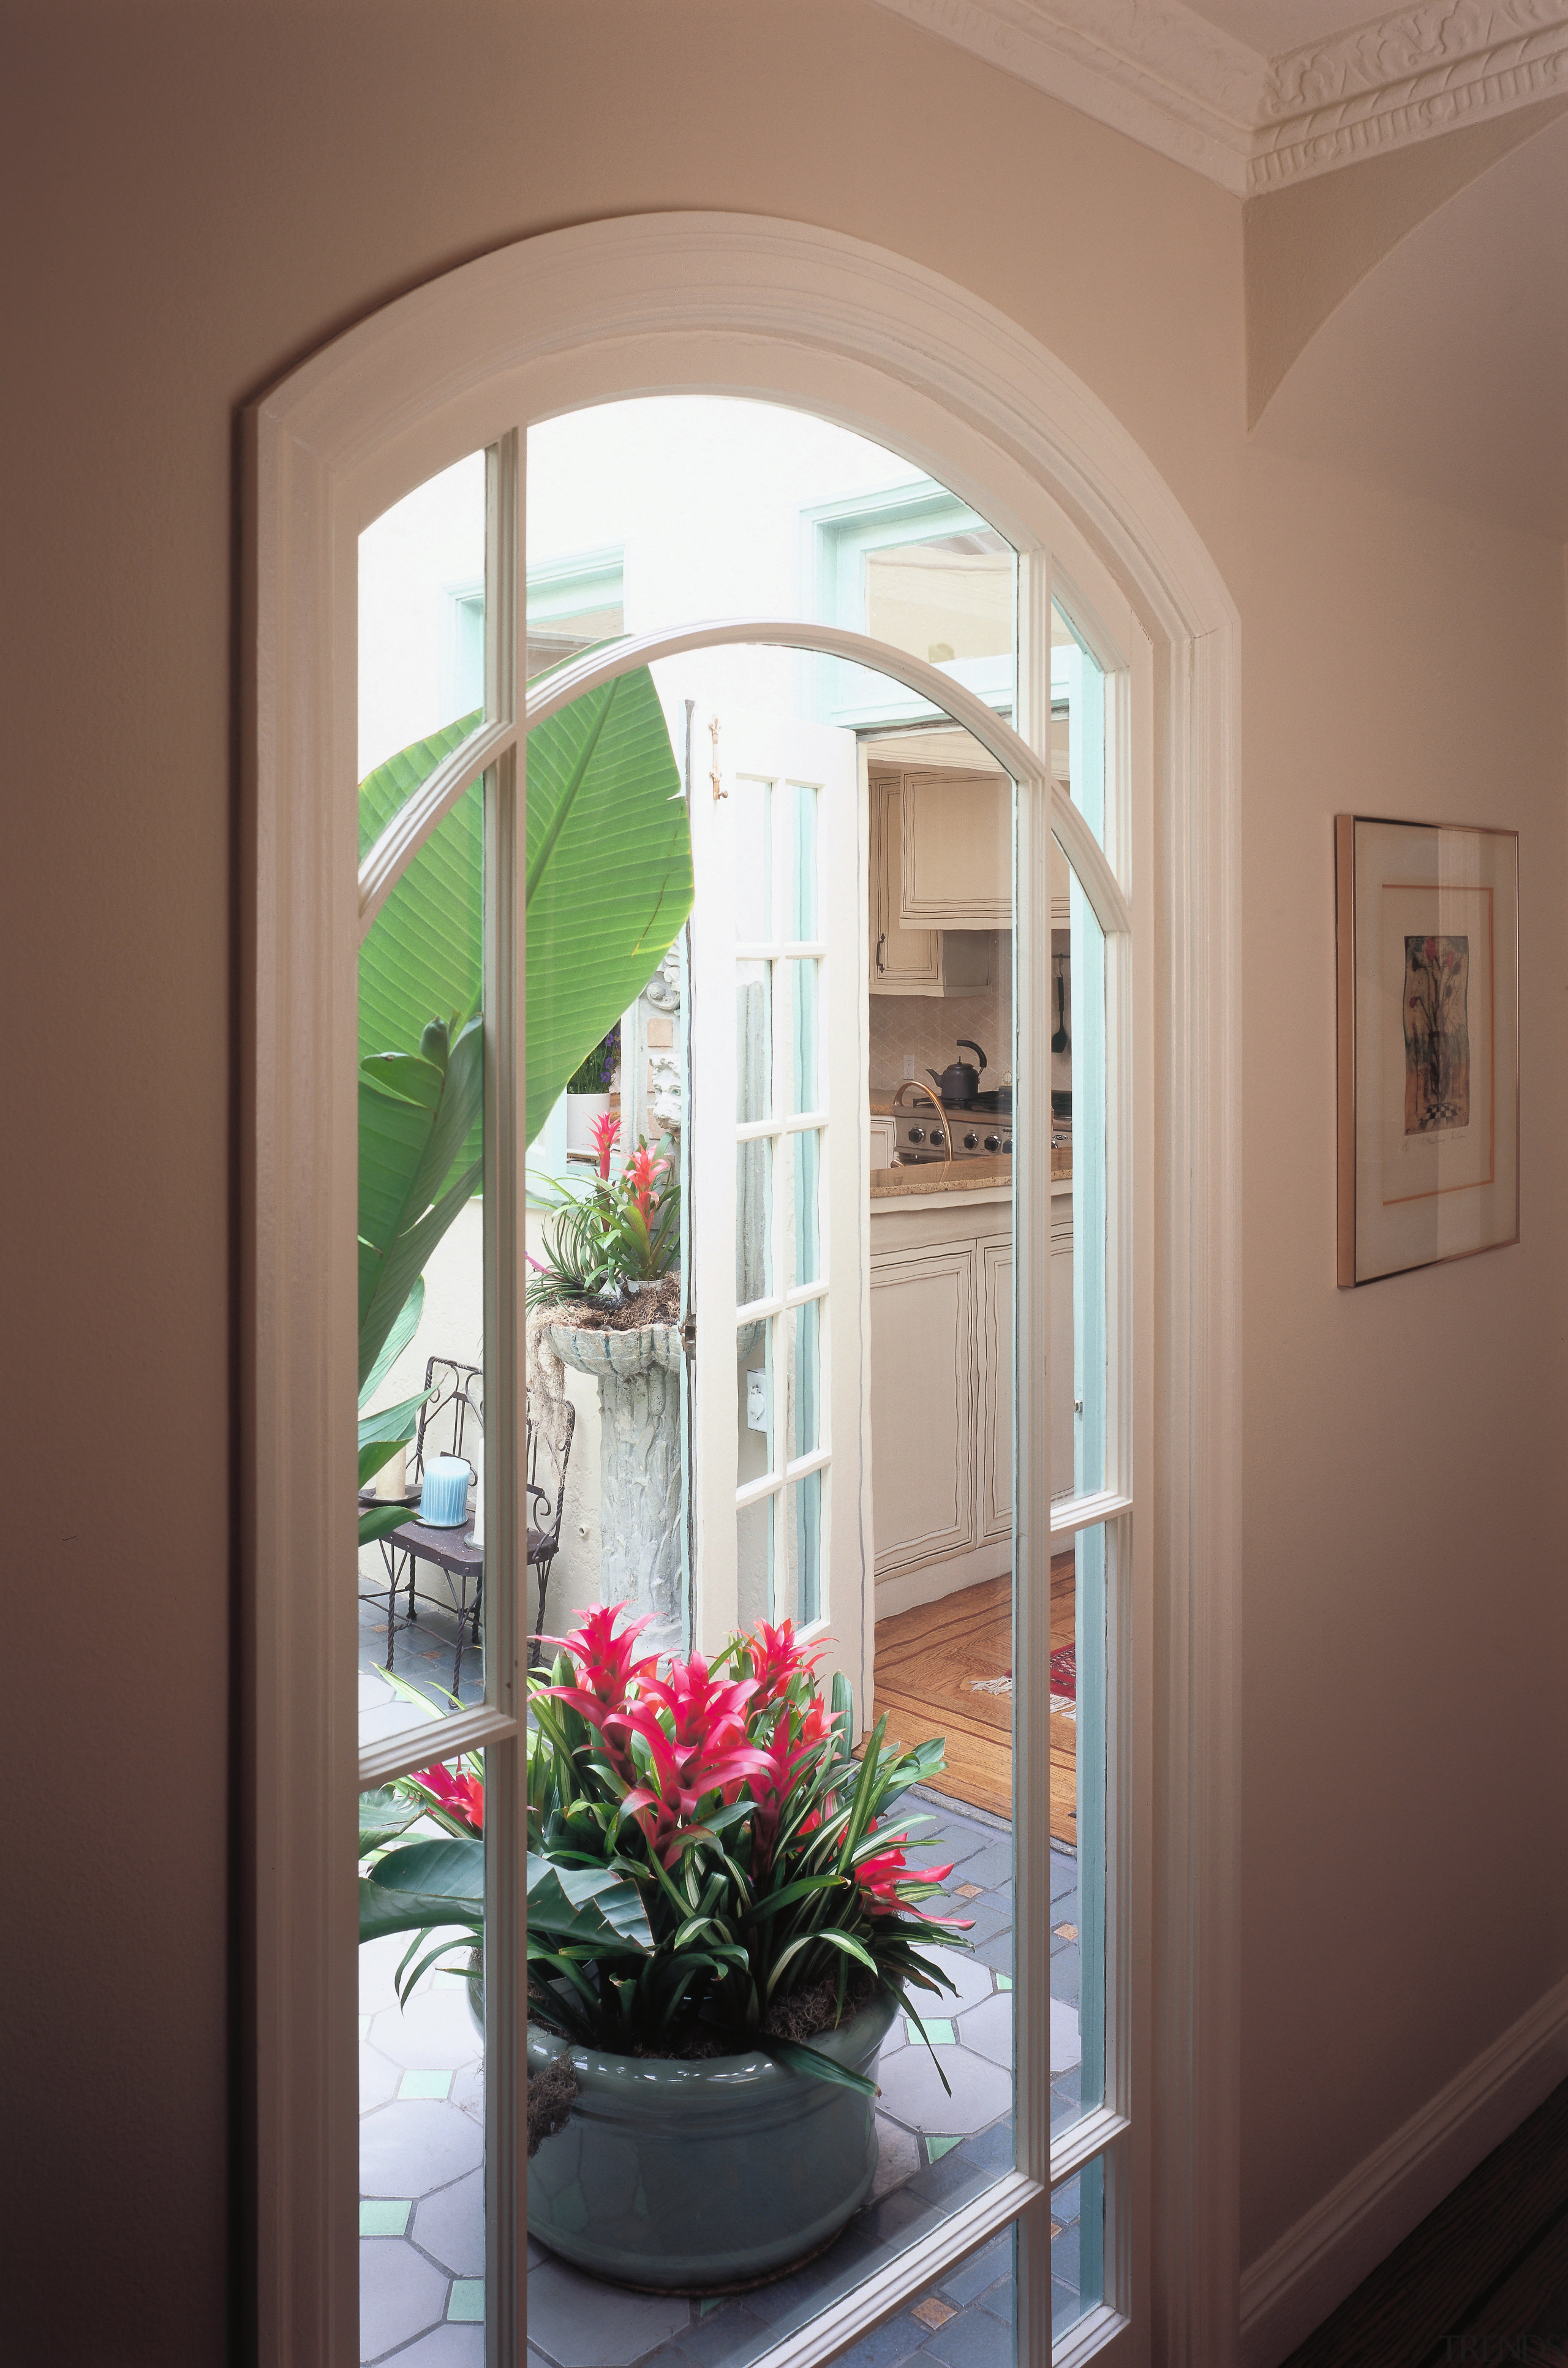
{"points": [[1423, 1198]]}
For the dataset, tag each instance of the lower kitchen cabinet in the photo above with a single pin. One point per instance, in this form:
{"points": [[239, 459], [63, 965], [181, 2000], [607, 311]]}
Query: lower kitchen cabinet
{"points": [[942, 1395]]}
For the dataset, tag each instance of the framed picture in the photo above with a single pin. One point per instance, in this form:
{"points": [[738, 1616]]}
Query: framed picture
{"points": [[1428, 929]]}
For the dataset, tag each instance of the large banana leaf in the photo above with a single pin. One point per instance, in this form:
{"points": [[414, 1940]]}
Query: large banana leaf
{"points": [[609, 884], [416, 1115]]}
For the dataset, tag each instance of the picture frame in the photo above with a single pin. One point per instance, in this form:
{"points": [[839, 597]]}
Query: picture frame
{"points": [[1427, 928]]}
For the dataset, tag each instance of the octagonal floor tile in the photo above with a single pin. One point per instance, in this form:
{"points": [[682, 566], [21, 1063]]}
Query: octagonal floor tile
{"points": [[898, 2157], [578, 2323], [914, 2094], [433, 2032], [447, 2346], [1066, 2047], [988, 2028], [378, 2080], [970, 1976], [379, 1962], [408, 2148], [400, 2294], [450, 2224]]}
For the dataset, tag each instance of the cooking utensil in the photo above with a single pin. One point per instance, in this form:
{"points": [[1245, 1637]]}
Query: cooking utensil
{"points": [[960, 1079], [1060, 1042]]}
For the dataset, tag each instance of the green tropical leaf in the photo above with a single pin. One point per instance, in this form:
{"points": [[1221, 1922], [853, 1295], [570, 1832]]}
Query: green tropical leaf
{"points": [[383, 1815], [380, 1520], [396, 1341], [798, 2057], [583, 1903], [423, 952], [408, 1196], [609, 880]]}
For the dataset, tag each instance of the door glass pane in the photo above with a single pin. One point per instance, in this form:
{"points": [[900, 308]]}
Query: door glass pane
{"points": [[755, 1393], [1077, 2248], [753, 1538], [421, 1418], [753, 802], [1078, 1644], [803, 986], [804, 869], [807, 1213], [1085, 1124], [420, 656], [754, 1220], [753, 1040], [422, 2059], [806, 1375], [805, 1510]]}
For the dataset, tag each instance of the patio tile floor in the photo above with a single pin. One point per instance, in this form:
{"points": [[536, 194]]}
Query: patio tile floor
{"points": [[422, 2154]]}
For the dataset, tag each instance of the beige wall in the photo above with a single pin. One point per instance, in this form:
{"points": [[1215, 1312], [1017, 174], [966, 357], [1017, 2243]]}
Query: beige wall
{"points": [[200, 196]]}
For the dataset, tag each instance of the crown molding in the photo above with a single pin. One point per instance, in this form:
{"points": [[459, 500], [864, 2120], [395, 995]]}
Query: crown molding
{"points": [[1158, 71]]}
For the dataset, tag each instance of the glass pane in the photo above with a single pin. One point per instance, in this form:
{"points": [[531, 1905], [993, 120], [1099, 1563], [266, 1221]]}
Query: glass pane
{"points": [[805, 1529], [754, 1221], [753, 1539], [753, 802], [807, 1209], [754, 1042], [1078, 1599], [420, 1334], [948, 600], [1078, 702], [421, 651], [804, 984], [1085, 1122], [804, 917], [806, 1375], [421, 2064], [1077, 2248], [755, 1401]]}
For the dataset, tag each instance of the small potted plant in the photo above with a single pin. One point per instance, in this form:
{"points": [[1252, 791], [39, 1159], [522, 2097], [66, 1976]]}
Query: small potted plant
{"points": [[588, 1091], [721, 1924]]}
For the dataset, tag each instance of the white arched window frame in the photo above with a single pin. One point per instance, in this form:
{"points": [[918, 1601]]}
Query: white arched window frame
{"points": [[730, 306]]}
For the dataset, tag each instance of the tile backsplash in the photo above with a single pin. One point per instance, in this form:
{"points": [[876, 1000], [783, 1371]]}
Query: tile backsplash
{"points": [[927, 1028]]}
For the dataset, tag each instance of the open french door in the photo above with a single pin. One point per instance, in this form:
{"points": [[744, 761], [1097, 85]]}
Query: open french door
{"points": [[776, 1209]]}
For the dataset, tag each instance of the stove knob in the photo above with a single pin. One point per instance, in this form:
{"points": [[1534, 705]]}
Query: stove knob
{"points": [[937, 1135], [917, 1135], [970, 1141], [992, 1143], [1008, 1145]]}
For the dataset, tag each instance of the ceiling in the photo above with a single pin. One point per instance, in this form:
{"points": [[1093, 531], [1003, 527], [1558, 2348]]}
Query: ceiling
{"points": [[1445, 371], [1273, 26]]}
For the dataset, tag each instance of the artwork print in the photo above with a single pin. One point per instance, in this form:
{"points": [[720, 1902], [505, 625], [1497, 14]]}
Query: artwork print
{"points": [[1437, 1034]]}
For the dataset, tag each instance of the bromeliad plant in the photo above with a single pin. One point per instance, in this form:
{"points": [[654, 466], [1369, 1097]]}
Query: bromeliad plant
{"points": [[732, 1852], [621, 1229]]}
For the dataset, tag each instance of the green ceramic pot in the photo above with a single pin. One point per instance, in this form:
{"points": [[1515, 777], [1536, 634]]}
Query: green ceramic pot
{"points": [[693, 2178]]}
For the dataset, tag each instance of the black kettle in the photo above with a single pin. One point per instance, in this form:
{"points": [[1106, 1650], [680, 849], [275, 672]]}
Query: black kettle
{"points": [[960, 1081]]}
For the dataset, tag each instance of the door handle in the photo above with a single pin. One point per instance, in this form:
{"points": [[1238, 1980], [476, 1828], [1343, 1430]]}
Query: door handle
{"points": [[688, 1335], [881, 943]]}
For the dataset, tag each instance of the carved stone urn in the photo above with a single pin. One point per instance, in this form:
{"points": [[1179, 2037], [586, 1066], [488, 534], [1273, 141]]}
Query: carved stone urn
{"points": [[638, 1372]]}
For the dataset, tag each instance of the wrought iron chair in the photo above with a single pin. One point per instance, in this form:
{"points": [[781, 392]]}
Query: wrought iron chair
{"points": [[453, 1412], [551, 1422]]}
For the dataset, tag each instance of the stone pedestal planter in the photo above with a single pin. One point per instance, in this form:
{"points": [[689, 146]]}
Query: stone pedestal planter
{"points": [[701, 2177], [639, 1464]]}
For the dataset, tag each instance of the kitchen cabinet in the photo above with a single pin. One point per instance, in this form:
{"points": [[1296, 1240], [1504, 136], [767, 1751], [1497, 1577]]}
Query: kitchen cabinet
{"points": [[956, 870], [937, 961], [942, 1292]]}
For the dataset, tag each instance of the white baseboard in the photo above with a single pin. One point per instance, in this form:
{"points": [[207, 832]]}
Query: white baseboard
{"points": [[929, 1582], [1309, 2270]]}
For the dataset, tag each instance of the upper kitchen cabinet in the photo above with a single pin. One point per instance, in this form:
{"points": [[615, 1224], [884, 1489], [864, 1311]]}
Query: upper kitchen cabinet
{"points": [[958, 851], [948, 959]]}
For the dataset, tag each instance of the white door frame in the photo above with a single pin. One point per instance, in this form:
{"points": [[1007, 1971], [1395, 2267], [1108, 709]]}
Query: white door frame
{"points": [[790, 313]]}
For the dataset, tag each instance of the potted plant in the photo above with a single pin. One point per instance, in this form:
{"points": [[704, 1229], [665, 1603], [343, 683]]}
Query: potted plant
{"points": [[607, 1297], [721, 1924], [588, 1091]]}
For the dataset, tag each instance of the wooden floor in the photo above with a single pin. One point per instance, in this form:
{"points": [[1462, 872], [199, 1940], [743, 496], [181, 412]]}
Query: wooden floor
{"points": [[1484, 2277], [928, 1665]]}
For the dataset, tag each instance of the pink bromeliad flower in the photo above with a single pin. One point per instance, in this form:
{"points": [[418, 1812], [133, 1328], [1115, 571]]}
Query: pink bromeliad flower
{"points": [[462, 1796], [605, 1128], [642, 1174], [606, 1665], [777, 1658], [885, 1879]]}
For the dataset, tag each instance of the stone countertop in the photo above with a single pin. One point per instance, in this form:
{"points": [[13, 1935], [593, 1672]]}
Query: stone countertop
{"points": [[959, 1176]]}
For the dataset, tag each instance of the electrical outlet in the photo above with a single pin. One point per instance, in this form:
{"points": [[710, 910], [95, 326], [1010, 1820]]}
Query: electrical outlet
{"points": [[911, 1065], [757, 1401]]}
